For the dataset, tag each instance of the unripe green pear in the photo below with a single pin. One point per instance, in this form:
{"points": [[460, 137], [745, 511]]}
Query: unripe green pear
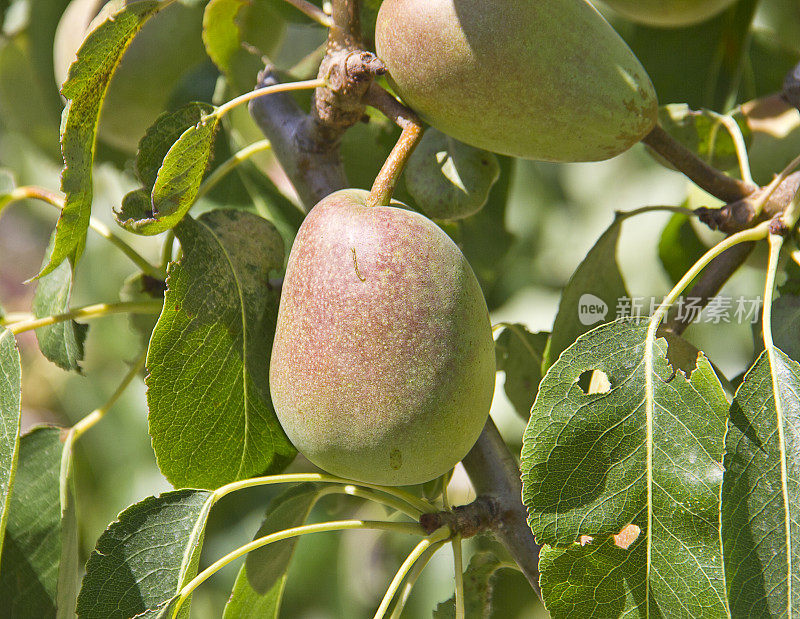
{"points": [[383, 364], [668, 13], [540, 79]]}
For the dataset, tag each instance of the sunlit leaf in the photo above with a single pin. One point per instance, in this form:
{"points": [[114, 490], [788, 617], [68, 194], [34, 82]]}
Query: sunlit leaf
{"points": [[647, 450], [177, 182], [10, 410], [761, 491], [211, 416], [143, 559], [85, 88]]}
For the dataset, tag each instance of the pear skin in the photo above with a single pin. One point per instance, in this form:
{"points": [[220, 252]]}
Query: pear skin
{"points": [[383, 366], [668, 13], [539, 79]]}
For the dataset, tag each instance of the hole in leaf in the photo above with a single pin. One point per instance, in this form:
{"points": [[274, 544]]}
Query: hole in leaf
{"points": [[594, 381]]}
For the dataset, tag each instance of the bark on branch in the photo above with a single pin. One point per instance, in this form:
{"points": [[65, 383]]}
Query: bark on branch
{"points": [[703, 175]]}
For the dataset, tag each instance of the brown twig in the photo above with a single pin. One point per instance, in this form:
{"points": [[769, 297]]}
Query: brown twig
{"points": [[710, 282], [741, 214], [495, 475], [464, 520], [703, 175]]}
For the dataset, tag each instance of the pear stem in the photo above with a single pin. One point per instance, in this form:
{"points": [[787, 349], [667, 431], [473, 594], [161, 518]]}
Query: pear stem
{"points": [[386, 181]]}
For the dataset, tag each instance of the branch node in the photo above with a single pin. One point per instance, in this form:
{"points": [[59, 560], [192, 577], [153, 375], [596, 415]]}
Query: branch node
{"points": [[465, 520]]}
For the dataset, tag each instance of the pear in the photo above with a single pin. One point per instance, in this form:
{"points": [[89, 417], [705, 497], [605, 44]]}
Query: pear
{"points": [[668, 13], [539, 79], [383, 363]]}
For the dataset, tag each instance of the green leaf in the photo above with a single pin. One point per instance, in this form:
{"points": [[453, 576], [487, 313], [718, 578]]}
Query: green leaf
{"points": [[160, 137], [86, 87], [593, 463], [221, 34], [61, 343], [520, 355], [761, 491], [679, 247], [703, 134], [596, 580], [211, 416], [478, 588], [592, 294], [786, 325], [449, 179], [40, 556], [10, 411], [259, 585], [144, 558], [176, 185]]}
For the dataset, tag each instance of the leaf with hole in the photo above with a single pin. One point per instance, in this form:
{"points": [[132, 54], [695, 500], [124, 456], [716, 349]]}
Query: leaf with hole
{"points": [[647, 449]]}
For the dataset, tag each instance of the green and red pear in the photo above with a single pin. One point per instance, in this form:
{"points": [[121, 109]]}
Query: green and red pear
{"points": [[383, 365]]}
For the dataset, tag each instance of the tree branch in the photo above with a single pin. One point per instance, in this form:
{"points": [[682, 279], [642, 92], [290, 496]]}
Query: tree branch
{"points": [[312, 164], [711, 281], [740, 214], [494, 474], [703, 175]]}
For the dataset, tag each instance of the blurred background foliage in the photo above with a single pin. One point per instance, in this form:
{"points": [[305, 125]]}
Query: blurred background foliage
{"points": [[540, 222]]}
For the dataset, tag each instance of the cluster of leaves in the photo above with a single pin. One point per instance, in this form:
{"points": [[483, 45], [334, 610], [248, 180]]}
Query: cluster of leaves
{"points": [[709, 481]]}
